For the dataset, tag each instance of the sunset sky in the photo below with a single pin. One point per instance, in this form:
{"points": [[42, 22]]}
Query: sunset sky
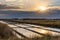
{"points": [[30, 4]]}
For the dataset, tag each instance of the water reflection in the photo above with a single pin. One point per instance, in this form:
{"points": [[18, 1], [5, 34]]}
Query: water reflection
{"points": [[43, 31], [26, 32], [30, 33]]}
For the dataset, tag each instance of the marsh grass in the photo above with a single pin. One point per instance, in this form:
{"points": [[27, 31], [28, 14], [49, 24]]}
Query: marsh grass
{"points": [[42, 22], [35, 38], [43, 38], [7, 34]]}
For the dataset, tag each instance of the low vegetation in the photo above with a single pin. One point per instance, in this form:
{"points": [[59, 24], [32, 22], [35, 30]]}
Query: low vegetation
{"points": [[41, 22], [7, 34]]}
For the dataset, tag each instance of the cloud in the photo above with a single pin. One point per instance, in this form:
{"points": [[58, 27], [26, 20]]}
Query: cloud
{"points": [[10, 0], [32, 4], [3, 14], [2, 6], [27, 4]]}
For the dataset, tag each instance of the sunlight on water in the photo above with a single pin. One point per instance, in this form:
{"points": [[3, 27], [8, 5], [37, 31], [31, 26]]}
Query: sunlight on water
{"points": [[43, 31], [30, 33], [38, 30], [26, 32]]}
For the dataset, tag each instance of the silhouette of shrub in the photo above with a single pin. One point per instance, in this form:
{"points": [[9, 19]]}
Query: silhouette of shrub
{"points": [[5, 31]]}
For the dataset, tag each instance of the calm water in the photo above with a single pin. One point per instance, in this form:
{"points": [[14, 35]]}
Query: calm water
{"points": [[30, 33]]}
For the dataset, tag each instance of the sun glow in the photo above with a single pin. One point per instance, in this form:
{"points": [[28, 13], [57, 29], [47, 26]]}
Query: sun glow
{"points": [[10, 0], [42, 8]]}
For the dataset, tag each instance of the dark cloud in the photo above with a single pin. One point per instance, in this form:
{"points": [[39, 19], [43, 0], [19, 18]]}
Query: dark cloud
{"points": [[3, 14], [2, 6]]}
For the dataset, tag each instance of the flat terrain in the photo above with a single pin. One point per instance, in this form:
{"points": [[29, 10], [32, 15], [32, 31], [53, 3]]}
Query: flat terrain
{"points": [[29, 27], [43, 22]]}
